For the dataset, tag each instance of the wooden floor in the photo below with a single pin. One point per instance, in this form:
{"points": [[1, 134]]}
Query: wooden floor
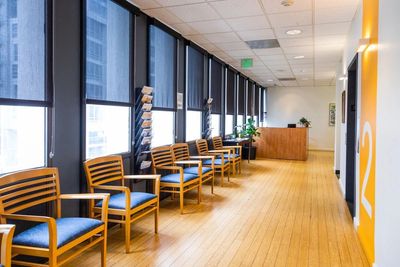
{"points": [[276, 213]]}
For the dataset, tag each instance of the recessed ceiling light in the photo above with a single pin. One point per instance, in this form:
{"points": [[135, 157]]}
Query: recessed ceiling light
{"points": [[270, 80], [293, 32], [299, 57]]}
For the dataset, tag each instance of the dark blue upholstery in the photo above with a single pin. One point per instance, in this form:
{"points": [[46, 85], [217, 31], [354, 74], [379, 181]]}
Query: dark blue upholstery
{"points": [[68, 229], [117, 201], [176, 177], [195, 170], [216, 162], [232, 156]]}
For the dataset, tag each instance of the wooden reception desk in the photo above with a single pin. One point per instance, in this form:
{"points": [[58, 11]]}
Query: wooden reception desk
{"points": [[283, 143]]}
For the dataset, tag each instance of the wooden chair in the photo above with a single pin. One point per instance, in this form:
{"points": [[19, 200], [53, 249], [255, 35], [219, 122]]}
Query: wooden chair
{"points": [[180, 153], [7, 231], [126, 207], [177, 182], [53, 236], [221, 164], [236, 154]]}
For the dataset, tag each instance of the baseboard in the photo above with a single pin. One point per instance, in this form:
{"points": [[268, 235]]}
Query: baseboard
{"points": [[322, 149], [356, 223]]}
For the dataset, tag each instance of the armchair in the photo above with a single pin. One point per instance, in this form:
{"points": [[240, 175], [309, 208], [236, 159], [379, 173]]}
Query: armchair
{"points": [[126, 206], [235, 157], [177, 182], [221, 164], [52, 237], [7, 231], [181, 156]]}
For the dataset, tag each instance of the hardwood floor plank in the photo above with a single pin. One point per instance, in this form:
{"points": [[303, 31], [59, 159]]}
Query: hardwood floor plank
{"points": [[276, 213]]}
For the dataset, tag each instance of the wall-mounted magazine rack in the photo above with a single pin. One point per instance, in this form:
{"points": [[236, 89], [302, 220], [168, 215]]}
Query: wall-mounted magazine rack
{"points": [[143, 129]]}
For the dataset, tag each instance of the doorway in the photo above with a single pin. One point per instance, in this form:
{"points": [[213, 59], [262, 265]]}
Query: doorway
{"points": [[351, 136]]}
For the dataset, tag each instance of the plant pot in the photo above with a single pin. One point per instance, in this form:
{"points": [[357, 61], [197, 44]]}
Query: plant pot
{"points": [[245, 153]]}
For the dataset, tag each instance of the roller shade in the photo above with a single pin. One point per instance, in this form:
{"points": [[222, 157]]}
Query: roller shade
{"points": [[257, 101], [241, 95], [230, 92], [216, 78], [195, 79], [250, 99]]}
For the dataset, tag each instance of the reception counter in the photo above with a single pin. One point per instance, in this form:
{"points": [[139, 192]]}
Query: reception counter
{"points": [[282, 143]]}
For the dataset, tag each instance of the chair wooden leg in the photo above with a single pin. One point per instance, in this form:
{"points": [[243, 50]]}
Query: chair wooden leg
{"points": [[104, 249], [212, 183], [53, 259], [229, 176], [173, 193], [240, 166], [199, 192], [156, 215], [181, 199], [127, 234], [222, 176]]}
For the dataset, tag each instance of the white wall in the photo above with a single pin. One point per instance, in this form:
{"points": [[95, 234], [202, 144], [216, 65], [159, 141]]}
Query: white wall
{"points": [[350, 50], [387, 198], [288, 104]]}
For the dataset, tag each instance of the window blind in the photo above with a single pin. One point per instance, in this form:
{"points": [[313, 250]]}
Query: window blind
{"points": [[216, 78], [195, 79]]}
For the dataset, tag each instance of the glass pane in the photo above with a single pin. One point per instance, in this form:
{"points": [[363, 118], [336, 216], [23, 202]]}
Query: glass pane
{"points": [[22, 138], [256, 121], [239, 121], [107, 130], [215, 124], [107, 51], [22, 49], [193, 125], [163, 128], [228, 124], [162, 70]]}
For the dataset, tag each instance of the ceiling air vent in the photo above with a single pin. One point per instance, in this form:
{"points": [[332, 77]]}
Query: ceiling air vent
{"points": [[287, 79], [262, 44]]}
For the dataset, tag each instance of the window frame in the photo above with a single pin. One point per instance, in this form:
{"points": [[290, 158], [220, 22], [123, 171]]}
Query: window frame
{"points": [[48, 102], [131, 103]]}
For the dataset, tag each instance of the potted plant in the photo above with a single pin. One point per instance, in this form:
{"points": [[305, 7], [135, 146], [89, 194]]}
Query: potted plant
{"points": [[249, 130], [304, 122]]}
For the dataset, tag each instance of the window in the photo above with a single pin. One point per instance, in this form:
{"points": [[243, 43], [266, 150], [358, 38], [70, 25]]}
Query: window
{"points": [[215, 125], [193, 125], [107, 130], [108, 78], [163, 128], [228, 124], [24, 94], [195, 66], [239, 120], [162, 68]]}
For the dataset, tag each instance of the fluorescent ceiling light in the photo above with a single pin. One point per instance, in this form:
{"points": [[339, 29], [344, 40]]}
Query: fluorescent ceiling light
{"points": [[294, 32], [270, 80], [299, 57]]}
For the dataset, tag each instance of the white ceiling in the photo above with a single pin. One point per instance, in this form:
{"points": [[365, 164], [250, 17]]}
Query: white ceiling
{"points": [[222, 27]]}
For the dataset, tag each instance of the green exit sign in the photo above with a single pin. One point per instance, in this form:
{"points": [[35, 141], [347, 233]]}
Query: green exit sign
{"points": [[246, 63]]}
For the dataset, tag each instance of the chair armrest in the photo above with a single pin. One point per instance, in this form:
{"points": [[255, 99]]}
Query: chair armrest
{"points": [[51, 224], [197, 162], [155, 177], [202, 157], [105, 197], [112, 188], [220, 151], [6, 243], [171, 168]]}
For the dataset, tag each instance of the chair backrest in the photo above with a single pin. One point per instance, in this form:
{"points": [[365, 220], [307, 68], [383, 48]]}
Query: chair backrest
{"points": [[180, 151], [103, 170], [202, 146], [7, 230], [161, 156], [25, 189], [217, 142]]}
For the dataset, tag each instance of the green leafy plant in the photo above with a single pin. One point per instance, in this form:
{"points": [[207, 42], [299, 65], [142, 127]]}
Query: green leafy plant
{"points": [[249, 130], [306, 123]]}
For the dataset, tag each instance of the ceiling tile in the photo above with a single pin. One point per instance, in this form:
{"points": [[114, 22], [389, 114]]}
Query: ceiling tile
{"points": [[240, 53], [274, 6], [227, 37], [195, 12], [332, 29], [268, 52], [256, 35], [248, 23], [330, 39], [289, 83], [300, 50], [198, 38], [233, 46], [163, 15], [167, 3], [335, 3], [144, 4], [334, 15], [210, 26], [291, 19], [288, 42], [184, 29], [237, 8]]}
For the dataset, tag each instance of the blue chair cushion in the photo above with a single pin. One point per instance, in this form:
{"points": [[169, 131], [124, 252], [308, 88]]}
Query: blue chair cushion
{"points": [[195, 170], [68, 229], [117, 201], [216, 162], [232, 156], [176, 178]]}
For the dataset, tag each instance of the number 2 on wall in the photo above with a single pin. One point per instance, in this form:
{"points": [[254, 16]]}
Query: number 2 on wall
{"points": [[367, 130]]}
